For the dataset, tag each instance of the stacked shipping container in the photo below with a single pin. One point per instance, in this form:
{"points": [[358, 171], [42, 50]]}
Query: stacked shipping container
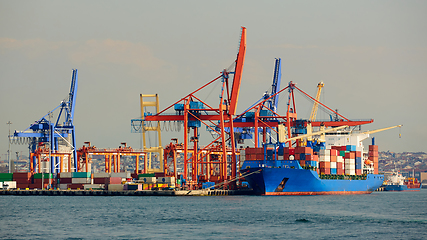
{"points": [[373, 156]]}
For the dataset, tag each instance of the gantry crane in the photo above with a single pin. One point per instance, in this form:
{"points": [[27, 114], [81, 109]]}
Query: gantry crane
{"points": [[193, 112], [59, 134]]}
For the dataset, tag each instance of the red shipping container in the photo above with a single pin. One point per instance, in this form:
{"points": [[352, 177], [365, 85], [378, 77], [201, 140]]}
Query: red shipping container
{"points": [[373, 154], [340, 171], [373, 148], [324, 165], [340, 165], [296, 156], [325, 170], [76, 186], [343, 148], [22, 175], [22, 181], [99, 181], [358, 171], [302, 163], [22, 185], [358, 154], [350, 155], [286, 156], [333, 158], [113, 180], [309, 157], [292, 151], [38, 186], [65, 180], [334, 152], [39, 181]]}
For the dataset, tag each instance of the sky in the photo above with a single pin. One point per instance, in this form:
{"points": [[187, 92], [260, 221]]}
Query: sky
{"points": [[371, 55]]}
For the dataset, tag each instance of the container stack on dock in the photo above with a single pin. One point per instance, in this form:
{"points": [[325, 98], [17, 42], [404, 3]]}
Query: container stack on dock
{"points": [[6, 179], [41, 180], [23, 179]]}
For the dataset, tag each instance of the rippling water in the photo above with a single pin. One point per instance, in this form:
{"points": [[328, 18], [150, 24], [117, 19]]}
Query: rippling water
{"points": [[380, 215]]}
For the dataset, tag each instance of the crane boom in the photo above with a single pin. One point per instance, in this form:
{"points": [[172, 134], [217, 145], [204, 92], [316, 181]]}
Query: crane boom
{"points": [[316, 103], [238, 73], [381, 129]]}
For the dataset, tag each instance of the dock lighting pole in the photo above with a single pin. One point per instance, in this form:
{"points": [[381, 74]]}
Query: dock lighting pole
{"points": [[8, 150]]}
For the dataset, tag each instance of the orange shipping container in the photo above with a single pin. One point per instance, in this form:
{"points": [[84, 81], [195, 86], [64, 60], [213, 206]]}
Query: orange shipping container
{"points": [[333, 158], [315, 158], [324, 165], [350, 155], [307, 150], [358, 154], [334, 152]]}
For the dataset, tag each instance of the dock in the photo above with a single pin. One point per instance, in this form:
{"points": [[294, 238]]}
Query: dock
{"points": [[203, 192]]}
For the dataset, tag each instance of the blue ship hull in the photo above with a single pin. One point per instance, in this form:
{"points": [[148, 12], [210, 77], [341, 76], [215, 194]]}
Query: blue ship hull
{"points": [[294, 181]]}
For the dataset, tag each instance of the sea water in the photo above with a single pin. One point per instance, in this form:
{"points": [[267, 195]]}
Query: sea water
{"points": [[380, 215]]}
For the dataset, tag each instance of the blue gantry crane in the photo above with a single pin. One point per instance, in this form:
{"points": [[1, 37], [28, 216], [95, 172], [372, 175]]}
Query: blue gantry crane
{"points": [[59, 135], [271, 103]]}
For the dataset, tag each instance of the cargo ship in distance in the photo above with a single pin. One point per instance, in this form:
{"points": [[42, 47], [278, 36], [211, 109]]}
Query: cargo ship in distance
{"points": [[396, 182], [339, 168]]}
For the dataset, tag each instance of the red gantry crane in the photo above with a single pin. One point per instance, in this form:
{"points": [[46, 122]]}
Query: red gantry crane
{"points": [[193, 112]]}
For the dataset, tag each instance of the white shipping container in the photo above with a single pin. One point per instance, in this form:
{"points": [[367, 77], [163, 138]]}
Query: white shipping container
{"points": [[63, 186], [324, 152], [65, 175], [1, 185], [148, 179], [80, 180], [9, 184], [323, 158], [350, 161], [89, 186], [121, 174], [350, 167], [340, 159], [242, 153], [101, 175], [333, 165], [280, 158], [350, 172], [166, 179], [115, 187]]}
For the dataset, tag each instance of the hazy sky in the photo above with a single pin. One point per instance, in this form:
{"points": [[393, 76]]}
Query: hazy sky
{"points": [[371, 55]]}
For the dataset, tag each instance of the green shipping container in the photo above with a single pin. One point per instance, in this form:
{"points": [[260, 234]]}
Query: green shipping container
{"points": [[146, 175], [6, 176], [5, 179], [80, 175], [39, 175]]}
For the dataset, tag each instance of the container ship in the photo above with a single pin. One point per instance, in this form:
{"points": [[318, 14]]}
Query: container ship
{"points": [[396, 182], [336, 169]]}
